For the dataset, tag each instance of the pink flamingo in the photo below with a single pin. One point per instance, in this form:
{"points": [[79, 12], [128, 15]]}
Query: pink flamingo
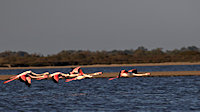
{"points": [[123, 73], [24, 77]]}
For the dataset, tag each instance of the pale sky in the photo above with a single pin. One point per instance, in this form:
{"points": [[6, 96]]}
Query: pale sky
{"points": [[50, 26]]}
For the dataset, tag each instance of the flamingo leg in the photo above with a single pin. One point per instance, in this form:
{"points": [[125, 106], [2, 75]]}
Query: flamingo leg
{"points": [[42, 77], [112, 78], [68, 80]]}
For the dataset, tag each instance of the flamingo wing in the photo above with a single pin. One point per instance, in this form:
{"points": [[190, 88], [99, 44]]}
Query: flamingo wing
{"points": [[23, 78], [56, 78], [28, 81], [133, 71], [75, 70]]}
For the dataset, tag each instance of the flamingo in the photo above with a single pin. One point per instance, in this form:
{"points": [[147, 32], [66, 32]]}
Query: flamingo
{"points": [[75, 72], [123, 73], [24, 77], [78, 77], [21, 76], [39, 76], [134, 72], [27, 76], [56, 76], [81, 75]]}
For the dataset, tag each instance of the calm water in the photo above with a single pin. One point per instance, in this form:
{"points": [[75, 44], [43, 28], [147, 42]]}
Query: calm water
{"points": [[126, 94]]}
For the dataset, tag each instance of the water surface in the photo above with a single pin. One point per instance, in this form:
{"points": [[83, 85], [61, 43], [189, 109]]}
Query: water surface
{"points": [[126, 94]]}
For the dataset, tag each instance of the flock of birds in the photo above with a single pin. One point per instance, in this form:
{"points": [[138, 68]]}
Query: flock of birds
{"points": [[75, 74]]}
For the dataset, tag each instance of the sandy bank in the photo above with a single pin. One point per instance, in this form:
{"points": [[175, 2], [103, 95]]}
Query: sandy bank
{"points": [[111, 65], [153, 74]]}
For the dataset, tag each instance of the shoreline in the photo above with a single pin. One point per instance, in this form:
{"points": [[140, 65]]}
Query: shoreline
{"points": [[153, 74], [103, 65]]}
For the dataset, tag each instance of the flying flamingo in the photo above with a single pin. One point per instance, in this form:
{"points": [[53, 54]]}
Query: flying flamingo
{"points": [[56, 76], [79, 77], [123, 73], [79, 72], [24, 77], [21, 76], [83, 76], [134, 72]]}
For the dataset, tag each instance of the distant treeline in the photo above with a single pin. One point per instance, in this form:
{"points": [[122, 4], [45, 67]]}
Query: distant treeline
{"points": [[86, 57]]}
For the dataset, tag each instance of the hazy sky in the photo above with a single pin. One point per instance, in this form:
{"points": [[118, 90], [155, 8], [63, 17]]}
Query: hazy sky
{"points": [[50, 26]]}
